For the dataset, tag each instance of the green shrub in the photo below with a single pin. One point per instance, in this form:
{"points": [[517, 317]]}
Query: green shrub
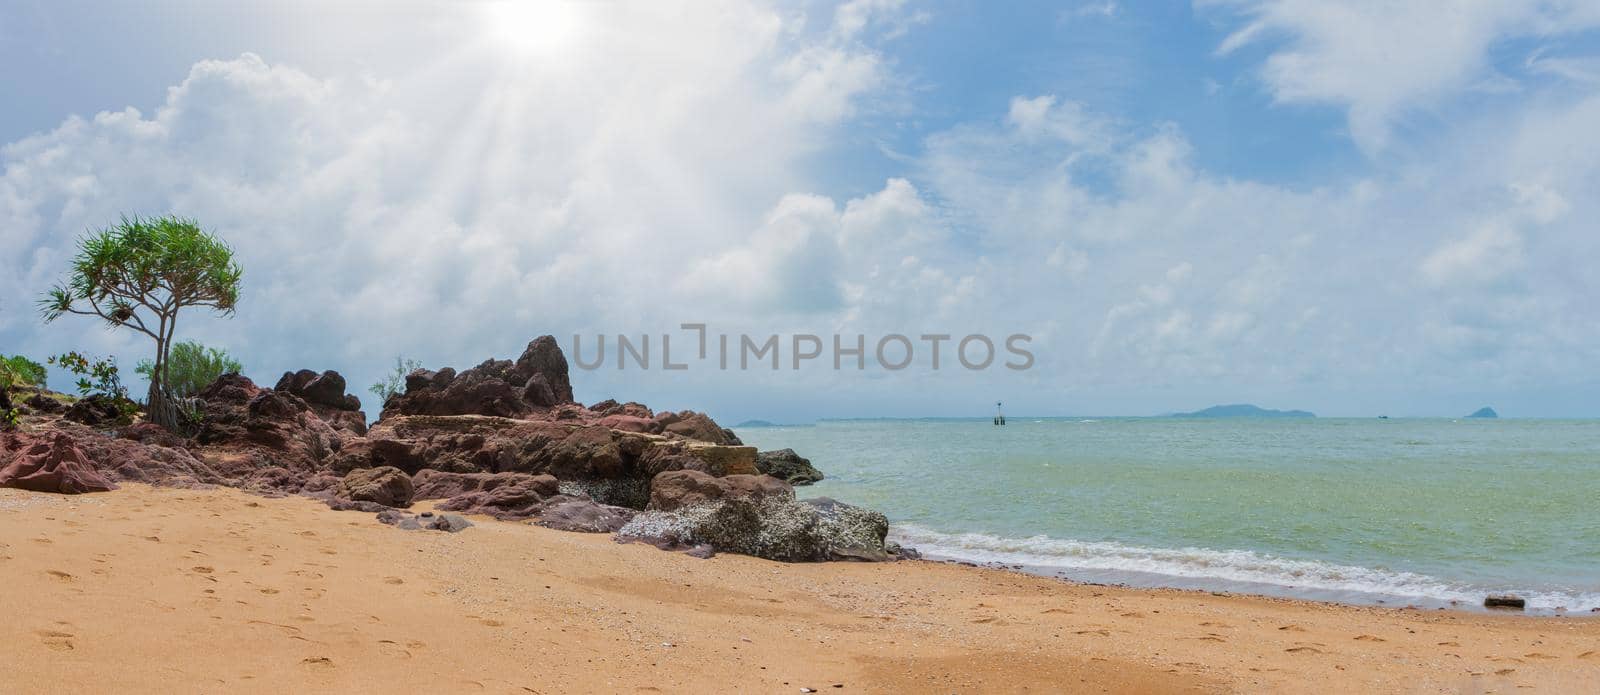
{"points": [[191, 367], [21, 371], [395, 381]]}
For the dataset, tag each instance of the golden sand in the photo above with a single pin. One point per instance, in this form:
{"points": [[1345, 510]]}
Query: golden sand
{"points": [[160, 590]]}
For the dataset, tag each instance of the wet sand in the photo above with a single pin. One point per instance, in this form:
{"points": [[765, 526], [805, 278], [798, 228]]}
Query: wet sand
{"points": [[159, 590]]}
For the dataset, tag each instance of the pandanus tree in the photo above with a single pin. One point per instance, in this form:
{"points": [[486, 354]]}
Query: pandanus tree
{"points": [[138, 274]]}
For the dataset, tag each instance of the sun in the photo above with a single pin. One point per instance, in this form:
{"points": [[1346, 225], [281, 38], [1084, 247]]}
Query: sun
{"points": [[536, 27]]}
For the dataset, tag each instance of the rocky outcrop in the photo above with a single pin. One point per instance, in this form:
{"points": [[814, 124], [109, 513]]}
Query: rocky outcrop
{"points": [[95, 411], [788, 466], [686, 488], [612, 466], [324, 394], [41, 403], [773, 528], [500, 495], [385, 485], [692, 425], [535, 381], [48, 463], [247, 428], [584, 515]]}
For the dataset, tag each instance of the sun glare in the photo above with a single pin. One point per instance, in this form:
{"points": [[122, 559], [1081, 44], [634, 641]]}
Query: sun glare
{"points": [[536, 27]]}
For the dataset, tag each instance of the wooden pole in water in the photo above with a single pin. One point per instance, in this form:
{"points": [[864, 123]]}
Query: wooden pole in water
{"points": [[999, 415]]}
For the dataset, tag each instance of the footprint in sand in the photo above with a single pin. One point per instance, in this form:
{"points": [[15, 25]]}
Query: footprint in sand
{"points": [[58, 574], [989, 619], [1537, 655], [1505, 672], [1055, 610], [317, 663], [391, 648], [1211, 638], [1589, 655], [491, 622], [201, 569], [1292, 628], [56, 640], [1210, 623], [393, 580], [1449, 644], [1303, 650], [1369, 638], [1133, 614], [1101, 633], [268, 591]]}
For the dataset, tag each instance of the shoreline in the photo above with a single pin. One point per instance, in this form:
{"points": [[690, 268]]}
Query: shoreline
{"points": [[217, 588]]}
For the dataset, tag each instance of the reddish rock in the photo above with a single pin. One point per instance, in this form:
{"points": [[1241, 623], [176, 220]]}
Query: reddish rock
{"points": [[536, 381], [584, 516], [431, 484], [500, 495], [387, 486], [324, 394], [247, 427], [684, 488], [49, 463], [41, 403], [693, 425]]}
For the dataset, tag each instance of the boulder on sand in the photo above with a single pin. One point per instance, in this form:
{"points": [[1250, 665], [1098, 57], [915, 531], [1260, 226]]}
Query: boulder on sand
{"points": [[500, 495], [774, 528], [49, 464], [684, 488], [583, 515], [385, 485], [1504, 601]]}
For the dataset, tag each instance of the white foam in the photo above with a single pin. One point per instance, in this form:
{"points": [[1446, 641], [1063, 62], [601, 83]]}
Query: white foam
{"points": [[1222, 566]]}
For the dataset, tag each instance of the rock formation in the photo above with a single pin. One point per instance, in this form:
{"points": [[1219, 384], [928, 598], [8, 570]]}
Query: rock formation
{"points": [[49, 463], [503, 439], [786, 465]]}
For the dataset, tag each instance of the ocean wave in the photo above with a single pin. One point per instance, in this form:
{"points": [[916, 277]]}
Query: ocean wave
{"points": [[1310, 578]]}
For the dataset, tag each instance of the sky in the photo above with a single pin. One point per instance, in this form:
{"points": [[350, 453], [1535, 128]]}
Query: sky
{"points": [[1351, 207]]}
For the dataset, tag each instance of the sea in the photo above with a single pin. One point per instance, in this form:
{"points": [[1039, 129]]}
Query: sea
{"points": [[1418, 512]]}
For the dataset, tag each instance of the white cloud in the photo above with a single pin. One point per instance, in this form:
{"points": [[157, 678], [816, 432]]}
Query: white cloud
{"points": [[1384, 61]]}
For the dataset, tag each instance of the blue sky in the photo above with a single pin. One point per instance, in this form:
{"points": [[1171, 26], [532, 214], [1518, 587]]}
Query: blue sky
{"points": [[1351, 207]]}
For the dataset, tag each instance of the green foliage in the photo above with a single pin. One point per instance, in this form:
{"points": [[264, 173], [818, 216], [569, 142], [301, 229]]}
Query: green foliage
{"points": [[394, 382], [17, 370], [138, 274], [97, 378], [191, 367]]}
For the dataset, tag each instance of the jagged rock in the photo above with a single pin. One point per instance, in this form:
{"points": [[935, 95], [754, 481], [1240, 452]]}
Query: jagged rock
{"points": [[683, 488], [324, 394], [152, 459], [95, 411], [629, 409], [788, 466], [41, 403], [431, 484], [500, 495], [536, 380], [583, 515], [571, 452], [773, 528], [693, 425], [246, 428], [387, 485], [48, 463]]}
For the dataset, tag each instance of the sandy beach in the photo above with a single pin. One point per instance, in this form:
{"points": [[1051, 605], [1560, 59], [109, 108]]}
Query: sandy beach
{"points": [[147, 589]]}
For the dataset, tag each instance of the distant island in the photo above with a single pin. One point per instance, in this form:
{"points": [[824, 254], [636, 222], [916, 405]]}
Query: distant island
{"points": [[755, 423], [1243, 410], [1485, 412]]}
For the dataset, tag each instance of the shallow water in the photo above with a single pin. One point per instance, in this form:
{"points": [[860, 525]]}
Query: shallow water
{"points": [[1420, 511]]}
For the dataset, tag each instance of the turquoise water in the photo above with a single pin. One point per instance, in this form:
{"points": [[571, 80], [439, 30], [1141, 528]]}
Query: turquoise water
{"points": [[1409, 511]]}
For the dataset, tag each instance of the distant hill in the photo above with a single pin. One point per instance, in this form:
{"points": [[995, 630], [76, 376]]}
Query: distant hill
{"points": [[1485, 412], [755, 423], [1243, 410]]}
